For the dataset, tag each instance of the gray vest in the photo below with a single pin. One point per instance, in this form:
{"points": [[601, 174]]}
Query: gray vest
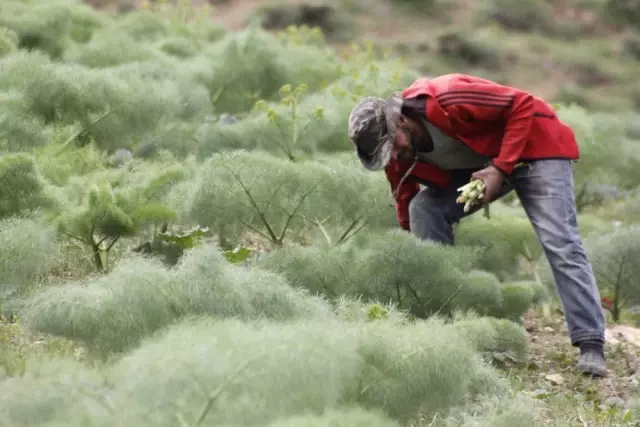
{"points": [[449, 153]]}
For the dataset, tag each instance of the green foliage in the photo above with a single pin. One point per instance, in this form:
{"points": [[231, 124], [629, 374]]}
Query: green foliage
{"points": [[176, 153], [115, 208], [139, 296], [59, 165], [614, 257], [99, 223], [29, 250], [230, 372], [626, 12], [504, 241], [249, 191], [8, 41], [518, 298], [19, 129], [420, 277], [607, 155], [252, 65], [22, 187], [171, 244], [292, 133], [338, 418], [519, 15]]}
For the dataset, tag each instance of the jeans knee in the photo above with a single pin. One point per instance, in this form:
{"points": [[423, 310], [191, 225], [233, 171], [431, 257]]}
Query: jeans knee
{"points": [[422, 206]]}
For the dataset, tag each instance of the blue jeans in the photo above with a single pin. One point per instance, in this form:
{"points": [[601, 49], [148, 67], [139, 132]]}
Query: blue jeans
{"points": [[546, 191]]}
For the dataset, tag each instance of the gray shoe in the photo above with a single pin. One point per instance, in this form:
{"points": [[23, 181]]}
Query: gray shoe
{"points": [[593, 364]]}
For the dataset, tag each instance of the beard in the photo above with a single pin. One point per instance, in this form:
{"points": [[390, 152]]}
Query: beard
{"points": [[405, 155]]}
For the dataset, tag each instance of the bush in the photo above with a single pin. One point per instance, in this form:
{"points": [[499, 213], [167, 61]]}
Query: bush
{"points": [[159, 134], [519, 15], [613, 256], [504, 242], [626, 12], [316, 364], [22, 187], [138, 297], [265, 372], [283, 200], [599, 136], [417, 276], [28, 251]]}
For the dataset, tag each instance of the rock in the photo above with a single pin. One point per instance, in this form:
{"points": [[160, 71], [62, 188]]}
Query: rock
{"points": [[227, 119], [614, 401], [548, 329], [618, 333], [121, 157], [556, 379]]}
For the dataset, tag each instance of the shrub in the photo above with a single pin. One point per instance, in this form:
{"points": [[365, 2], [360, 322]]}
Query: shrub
{"points": [[111, 106], [238, 192], [503, 241], [338, 418], [138, 297], [8, 41], [252, 63], [626, 12], [22, 187], [110, 48], [317, 364], [273, 130], [482, 293], [519, 15], [599, 137], [52, 391], [613, 256], [28, 251], [260, 372], [490, 336], [420, 277], [19, 129], [45, 28]]}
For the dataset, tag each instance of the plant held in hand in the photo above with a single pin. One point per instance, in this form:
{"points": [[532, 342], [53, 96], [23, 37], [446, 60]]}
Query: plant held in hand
{"points": [[472, 193]]}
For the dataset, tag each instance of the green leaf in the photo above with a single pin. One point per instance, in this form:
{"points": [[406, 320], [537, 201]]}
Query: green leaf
{"points": [[186, 240], [237, 255]]}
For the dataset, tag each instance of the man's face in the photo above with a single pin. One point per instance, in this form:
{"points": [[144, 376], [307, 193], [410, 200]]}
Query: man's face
{"points": [[402, 144]]}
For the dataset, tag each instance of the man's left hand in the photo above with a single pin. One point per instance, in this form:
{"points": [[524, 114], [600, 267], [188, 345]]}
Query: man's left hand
{"points": [[492, 178]]}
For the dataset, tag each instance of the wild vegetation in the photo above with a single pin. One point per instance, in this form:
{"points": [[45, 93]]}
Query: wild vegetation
{"points": [[187, 238]]}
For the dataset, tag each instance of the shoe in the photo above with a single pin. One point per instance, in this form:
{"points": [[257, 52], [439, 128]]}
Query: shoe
{"points": [[592, 363]]}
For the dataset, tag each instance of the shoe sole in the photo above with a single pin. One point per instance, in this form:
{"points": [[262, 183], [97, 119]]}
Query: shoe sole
{"points": [[593, 372]]}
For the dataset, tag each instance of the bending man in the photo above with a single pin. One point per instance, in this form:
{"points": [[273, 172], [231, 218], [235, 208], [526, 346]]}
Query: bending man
{"points": [[444, 131]]}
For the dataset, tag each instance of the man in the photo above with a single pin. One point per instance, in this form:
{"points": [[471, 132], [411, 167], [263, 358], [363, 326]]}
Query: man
{"points": [[444, 131]]}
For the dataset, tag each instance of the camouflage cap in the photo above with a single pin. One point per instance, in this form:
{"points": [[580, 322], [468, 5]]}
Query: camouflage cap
{"points": [[372, 127]]}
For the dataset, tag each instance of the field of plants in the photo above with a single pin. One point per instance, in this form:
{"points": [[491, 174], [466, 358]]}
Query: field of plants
{"points": [[183, 219]]}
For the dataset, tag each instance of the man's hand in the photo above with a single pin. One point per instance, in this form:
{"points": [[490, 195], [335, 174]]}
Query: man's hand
{"points": [[492, 178]]}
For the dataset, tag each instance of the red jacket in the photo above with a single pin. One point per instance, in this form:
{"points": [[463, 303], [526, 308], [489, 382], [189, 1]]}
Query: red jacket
{"points": [[506, 123]]}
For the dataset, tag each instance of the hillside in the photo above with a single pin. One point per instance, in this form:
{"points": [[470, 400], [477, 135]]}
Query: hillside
{"points": [[187, 238], [582, 51]]}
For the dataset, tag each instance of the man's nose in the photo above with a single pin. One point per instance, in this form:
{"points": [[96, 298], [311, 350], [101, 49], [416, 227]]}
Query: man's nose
{"points": [[395, 153]]}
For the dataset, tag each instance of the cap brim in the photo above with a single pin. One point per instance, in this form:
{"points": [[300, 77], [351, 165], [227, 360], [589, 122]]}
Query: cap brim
{"points": [[380, 159]]}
